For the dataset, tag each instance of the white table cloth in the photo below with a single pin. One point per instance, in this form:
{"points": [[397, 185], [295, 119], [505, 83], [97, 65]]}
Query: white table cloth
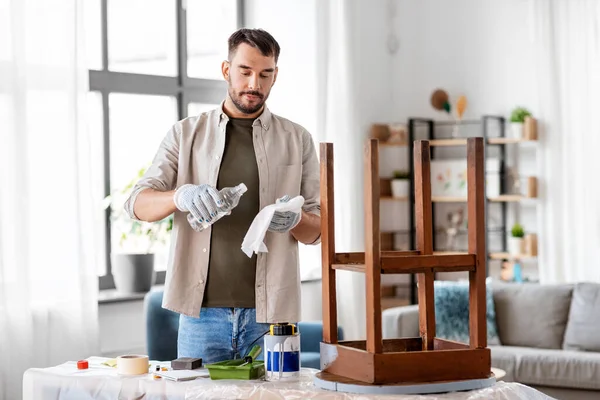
{"points": [[66, 382]]}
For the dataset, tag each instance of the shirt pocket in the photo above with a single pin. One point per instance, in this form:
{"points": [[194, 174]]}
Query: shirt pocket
{"points": [[289, 179]]}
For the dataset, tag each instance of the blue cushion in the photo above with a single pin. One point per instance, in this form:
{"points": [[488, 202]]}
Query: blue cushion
{"points": [[162, 326], [311, 335], [452, 312]]}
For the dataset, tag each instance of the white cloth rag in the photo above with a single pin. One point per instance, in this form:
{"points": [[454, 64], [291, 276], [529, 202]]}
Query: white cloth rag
{"points": [[253, 241]]}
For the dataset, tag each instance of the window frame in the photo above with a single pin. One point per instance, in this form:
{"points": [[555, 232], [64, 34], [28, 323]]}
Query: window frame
{"points": [[185, 89]]}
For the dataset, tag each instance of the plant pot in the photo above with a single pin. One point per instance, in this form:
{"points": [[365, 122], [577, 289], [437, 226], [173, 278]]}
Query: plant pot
{"points": [[133, 273], [516, 130], [400, 187], [515, 246]]}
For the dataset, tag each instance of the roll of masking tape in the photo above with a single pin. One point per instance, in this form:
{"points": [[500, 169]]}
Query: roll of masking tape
{"points": [[132, 365]]}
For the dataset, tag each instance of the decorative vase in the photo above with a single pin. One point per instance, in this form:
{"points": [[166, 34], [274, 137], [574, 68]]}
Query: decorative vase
{"points": [[133, 273], [515, 246], [516, 130], [400, 187]]}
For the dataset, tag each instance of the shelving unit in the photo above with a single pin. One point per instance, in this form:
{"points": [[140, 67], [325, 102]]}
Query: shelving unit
{"points": [[496, 140]]}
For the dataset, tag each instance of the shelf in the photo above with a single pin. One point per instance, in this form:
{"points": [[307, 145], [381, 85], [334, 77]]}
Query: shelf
{"points": [[500, 199], [493, 256], [459, 123], [385, 144], [509, 198], [392, 198], [447, 142], [444, 199], [508, 256], [504, 140], [463, 142]]}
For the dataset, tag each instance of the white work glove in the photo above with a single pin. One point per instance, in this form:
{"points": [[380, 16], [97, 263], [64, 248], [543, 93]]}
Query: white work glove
{"points": [[201, 201], [284, 221]]}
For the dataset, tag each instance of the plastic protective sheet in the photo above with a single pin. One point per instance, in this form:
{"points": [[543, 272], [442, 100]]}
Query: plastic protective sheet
{"points": [[65, 382], [304, 389]]}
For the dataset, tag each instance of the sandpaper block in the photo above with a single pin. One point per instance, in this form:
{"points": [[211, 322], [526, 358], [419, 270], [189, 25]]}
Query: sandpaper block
{"points": [[186, 363]]}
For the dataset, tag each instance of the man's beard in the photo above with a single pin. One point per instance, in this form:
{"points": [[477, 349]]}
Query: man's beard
{"points": [[237, 101]]}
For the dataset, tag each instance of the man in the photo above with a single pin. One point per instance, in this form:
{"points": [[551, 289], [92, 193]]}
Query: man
{"points": [[227, 300]]}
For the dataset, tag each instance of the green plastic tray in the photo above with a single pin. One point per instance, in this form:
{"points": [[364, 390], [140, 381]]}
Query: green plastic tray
{"points": [[232, 370]]}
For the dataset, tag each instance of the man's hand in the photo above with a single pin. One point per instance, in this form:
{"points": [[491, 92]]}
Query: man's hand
{"points": [[201, 201], [284, 221]]}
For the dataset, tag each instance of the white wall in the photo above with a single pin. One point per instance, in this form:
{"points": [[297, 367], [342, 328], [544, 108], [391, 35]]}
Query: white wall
{"points": [[477, 48], [292, 24]]}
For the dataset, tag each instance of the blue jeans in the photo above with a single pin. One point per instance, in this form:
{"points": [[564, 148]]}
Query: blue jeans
{"points": [[220, 334]]}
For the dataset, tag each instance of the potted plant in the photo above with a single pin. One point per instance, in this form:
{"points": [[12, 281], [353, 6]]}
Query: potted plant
{"points": [[517, 119], [134, 243], [515, 241], [400, 183]]}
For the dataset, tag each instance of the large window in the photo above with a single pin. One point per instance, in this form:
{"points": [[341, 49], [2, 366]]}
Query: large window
{"points": [[152, 62]]}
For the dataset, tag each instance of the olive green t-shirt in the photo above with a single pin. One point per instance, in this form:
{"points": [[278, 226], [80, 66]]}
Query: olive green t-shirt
{"points": [[231, 274]]}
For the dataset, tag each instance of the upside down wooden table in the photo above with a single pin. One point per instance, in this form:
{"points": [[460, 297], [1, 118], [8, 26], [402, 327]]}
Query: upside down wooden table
{"points": [[423, 364], [65, 382]]}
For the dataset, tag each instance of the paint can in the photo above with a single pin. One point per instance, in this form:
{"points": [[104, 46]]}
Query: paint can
{"points": [[282, 352]]}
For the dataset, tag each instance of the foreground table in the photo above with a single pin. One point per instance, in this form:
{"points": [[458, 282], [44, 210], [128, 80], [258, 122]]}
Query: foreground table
{"points": [[65, 382]]}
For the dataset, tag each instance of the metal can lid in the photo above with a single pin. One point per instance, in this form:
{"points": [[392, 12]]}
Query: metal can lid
{"points": [[283, 329]]}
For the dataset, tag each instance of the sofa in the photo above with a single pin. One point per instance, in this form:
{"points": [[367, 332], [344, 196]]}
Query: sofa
{"points": [[548, 336], [162, 326]]}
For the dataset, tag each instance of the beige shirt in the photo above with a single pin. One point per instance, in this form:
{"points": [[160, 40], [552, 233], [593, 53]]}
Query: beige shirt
{"points": [[287, 164]]}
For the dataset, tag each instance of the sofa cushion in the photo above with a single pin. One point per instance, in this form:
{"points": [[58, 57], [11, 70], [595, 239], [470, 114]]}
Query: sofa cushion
{"points": [[531, 315], [583, 326], [504, 357], [452, 312], [548, 367], [559, 368]]}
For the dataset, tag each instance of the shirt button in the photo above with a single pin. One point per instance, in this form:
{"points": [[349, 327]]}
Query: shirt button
{"points": [[204, 250], [200, 282], [265, 126], [216, 157]]}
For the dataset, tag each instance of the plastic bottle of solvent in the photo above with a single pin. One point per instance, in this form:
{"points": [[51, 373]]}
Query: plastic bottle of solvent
{"points": [[231, 198]]}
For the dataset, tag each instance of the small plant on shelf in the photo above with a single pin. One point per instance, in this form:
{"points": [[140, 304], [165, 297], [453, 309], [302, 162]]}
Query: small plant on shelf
{"points": [[519, 114], [400, 183], [517, 120], [515, 242], [517, 231], [401, 174]]}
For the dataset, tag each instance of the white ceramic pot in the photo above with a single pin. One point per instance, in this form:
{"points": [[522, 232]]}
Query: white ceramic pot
{"points": [[516, 130], [515, 246], [400, 187], [133, 273]]}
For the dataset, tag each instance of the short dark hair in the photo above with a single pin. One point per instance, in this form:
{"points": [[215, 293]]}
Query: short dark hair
{"points": [[257, 38]]}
